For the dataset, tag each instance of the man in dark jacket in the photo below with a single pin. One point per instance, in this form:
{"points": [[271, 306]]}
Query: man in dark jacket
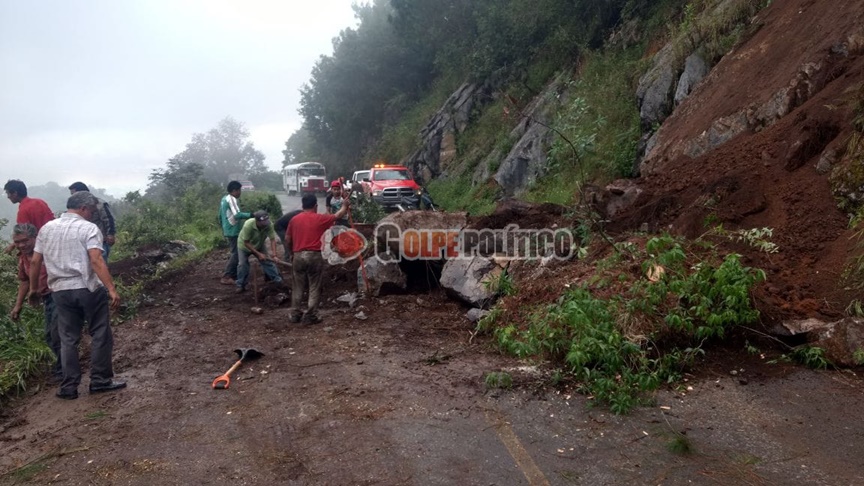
{"points": [[102, 219]]}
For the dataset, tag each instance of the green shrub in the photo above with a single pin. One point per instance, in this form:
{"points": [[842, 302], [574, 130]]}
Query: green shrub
{"points": [[685, 304]]}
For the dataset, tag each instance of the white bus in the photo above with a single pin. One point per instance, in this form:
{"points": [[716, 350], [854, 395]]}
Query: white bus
{"points": [[306, 177]]}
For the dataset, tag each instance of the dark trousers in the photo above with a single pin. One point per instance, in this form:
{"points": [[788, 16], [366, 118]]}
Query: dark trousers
{"points": [[74, 307], [231, 268], [307, 266], [52, 335]]}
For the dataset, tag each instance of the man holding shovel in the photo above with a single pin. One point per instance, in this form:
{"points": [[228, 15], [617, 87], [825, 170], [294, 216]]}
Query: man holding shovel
{"points": [[304, 235], [250, 242]]}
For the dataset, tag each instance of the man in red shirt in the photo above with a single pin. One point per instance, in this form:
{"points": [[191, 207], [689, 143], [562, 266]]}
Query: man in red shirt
{"points": [[30, 210], [303, 236], [24, 238]]}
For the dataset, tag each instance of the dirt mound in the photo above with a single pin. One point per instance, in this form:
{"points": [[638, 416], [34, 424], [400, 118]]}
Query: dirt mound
{"points": [[522, 214], [767, 176]]}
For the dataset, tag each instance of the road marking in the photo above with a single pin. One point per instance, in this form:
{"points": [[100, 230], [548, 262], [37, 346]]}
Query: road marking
{"points": [[523, 460]]}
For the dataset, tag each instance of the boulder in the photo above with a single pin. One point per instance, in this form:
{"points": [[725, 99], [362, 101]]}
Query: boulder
{"points": [[466, 279], [380, 274], [655, 89], [387, 230], [843, 340]]}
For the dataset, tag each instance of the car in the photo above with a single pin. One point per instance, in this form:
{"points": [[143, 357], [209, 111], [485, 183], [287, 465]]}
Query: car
{"points": [[389, 185], [246, 185]]}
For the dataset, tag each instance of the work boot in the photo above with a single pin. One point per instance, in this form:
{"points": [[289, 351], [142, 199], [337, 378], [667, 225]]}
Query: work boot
{"points": [[309, 319], [67, 394], [106, 387], [227, 281], [294, 319], [240, 290]]}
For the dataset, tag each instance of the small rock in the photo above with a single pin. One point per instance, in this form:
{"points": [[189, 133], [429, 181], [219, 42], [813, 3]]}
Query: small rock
{"points": [[475, 315], [734, 372], [257, 310], [360, 315], [742, 381]]}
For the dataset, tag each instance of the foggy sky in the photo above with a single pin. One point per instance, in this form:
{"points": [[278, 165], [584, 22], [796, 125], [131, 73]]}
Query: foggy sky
{"points": [[105, 91]]}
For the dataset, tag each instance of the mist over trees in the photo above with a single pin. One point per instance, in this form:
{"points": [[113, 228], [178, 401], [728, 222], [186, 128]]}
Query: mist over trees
{"points": [[217, 156], [401, 48]]}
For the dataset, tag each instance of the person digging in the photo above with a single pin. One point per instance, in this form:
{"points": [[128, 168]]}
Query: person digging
{"points": [[250, 242]]}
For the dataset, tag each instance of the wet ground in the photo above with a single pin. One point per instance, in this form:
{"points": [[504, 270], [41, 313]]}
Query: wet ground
{"points": [[399, 398]]}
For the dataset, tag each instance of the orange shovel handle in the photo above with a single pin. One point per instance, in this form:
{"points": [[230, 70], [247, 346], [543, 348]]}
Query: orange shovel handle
{"points": [[222, 382]]}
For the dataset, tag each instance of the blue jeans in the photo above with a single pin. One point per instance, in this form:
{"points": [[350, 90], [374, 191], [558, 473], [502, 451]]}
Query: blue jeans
{"points": [[231, 267], [106, 250], [243, 269]]}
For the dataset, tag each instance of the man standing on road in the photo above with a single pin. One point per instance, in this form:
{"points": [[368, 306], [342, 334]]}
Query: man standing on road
{"points": [[24, 238], [102, 219], [230, 216], [250, 242], [71, 247], [30, 209], [304, 235]]}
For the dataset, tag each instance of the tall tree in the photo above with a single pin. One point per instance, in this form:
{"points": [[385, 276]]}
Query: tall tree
{"points": [[217, 156], [300, 147]]}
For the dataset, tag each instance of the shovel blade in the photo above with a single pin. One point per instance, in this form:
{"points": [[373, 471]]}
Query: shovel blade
{"points": [[248, 354]]}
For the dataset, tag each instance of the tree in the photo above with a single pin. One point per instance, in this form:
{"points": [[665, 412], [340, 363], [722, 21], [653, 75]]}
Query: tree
{"points": [[214, 156], [300, 147]]}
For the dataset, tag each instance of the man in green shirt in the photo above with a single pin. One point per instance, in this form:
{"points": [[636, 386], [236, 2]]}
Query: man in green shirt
{"points": [[250, 242], [231, 216]]}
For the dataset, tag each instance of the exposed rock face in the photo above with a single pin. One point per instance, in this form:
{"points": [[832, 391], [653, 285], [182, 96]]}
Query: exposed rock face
{"points": [[695, 69], [439, 136], [655, 89], [527, 159]]}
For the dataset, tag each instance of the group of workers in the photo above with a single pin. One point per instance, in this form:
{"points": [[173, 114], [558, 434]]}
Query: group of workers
{"points": [[301, 232], [62, 266]]}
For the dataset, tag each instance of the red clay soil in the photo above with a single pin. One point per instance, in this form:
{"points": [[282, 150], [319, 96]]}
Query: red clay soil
{"points": [[752, 181]]}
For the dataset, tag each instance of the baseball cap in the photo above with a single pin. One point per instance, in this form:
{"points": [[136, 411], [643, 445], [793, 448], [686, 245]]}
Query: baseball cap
{"points": [[261, 216], [335, 184]]}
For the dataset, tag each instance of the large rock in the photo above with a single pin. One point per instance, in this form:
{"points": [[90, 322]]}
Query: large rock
{"points": [[695, 69], [380, 275], [467, 279], [655, 89], [842, 340], [389, 228]]}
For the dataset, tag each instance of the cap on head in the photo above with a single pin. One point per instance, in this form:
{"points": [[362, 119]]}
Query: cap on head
{"points": [[261, 217], [335, 184]]}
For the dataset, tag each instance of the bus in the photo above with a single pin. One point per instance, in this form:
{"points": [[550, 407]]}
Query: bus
{"points": [[306, 177]]}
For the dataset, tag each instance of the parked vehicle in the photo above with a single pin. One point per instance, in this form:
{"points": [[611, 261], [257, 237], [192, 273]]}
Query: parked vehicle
{"points": [[246, 185], [306, 177], [389, 184]]}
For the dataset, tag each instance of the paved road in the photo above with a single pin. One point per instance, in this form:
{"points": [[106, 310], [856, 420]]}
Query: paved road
{"points": [[290, 203]]}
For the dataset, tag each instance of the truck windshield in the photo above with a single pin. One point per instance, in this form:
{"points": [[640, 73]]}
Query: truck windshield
{"points": [[391, 175]]}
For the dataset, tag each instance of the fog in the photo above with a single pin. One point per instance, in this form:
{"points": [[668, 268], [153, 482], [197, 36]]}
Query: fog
{"points": [[106, 91]]}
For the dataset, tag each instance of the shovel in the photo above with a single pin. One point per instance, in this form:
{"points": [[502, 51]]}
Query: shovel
{"points": [[245, 354]]}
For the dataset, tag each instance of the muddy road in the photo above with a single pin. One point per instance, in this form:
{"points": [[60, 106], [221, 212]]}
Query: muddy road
{"points": [[399, 398]]}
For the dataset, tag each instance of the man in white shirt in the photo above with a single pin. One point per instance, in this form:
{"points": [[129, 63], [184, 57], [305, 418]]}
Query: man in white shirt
{"points": [[71, 247]]}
